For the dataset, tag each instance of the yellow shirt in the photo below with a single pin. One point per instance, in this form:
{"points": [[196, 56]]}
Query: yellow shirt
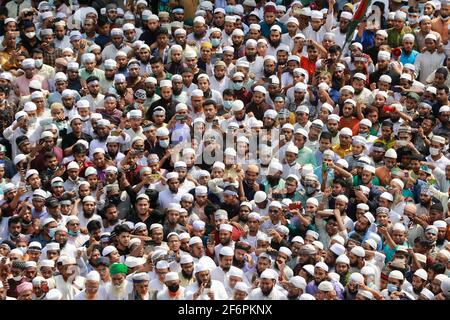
{"points": [[341, 152]]}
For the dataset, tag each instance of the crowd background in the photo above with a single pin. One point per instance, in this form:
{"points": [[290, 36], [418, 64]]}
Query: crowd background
{"points": [[186, 150]]}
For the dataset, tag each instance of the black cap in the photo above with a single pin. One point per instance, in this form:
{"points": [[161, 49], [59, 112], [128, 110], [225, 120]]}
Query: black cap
{"points": [[102, 261], [51, 202]]}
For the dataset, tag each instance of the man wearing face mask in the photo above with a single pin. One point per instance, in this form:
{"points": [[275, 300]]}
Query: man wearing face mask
{"points": [[440, 24], [436, 156], [17, 270], [172, 289]]}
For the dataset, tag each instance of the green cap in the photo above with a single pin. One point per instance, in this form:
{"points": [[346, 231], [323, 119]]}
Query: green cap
{"points": [[116, 268]]}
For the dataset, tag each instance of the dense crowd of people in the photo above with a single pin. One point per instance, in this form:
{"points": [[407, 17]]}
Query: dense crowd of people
{"points": [[225, 150]]}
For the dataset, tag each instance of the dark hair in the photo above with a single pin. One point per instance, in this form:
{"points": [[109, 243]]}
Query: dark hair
{"points": [[438, 268], [92, 78], [3, 11], [210, 101], [79, 148], [387, 123], [311, 47], [443, 71], [102, 21], [228, 92], [334, 49], [93, 225], [210, 209], [326, 136], [156, 60], [37, 50], [121, 228], [370, 109], [340, 181], [49, 155], [437, 207], [14, 219], [442, 87]]}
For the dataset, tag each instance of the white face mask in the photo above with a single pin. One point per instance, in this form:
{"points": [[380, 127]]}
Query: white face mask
{"points": [[30, 35], [434, 151], [18, 278]]}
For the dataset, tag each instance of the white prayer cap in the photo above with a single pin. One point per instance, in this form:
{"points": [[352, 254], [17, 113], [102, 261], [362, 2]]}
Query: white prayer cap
{"points": [[54, 294], [384, 55], [171, 276], [93, 276], [315, 14], [358, 251], [391, 153], [346, 15], [226, 251], [269, 274], [422, 274], [326, 286], [396, 275], [337, 249], [226, 227]]}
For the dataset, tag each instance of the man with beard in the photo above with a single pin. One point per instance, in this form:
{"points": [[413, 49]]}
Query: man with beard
{"points": [[390, 162], [226, 255], [166, 101], [256, 62], [61, 39], [342, 267], [333, 253], [200, 33], [68, 282], [134, 80], [219, 80], [418, 283], [176, 57], [321, 275], [362, 226], [250, 184], [340, 31], [121, 59], [110, 67], [150, 86], [352, 287], [267, 289], [225, 240], [273, 183], [356, 257], [237, 40], [117, 44], [88, 213], [92, 285], [117, 288], [187, 270], [317, 29], [258, 105], [275, 40], [242, 258], [73, 77], [384, 68], [173, 193], [440, 24], [205, 288], [295, 287]]}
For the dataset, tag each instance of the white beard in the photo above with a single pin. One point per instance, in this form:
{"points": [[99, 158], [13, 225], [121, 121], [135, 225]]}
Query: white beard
{"points": [[117, 293]]}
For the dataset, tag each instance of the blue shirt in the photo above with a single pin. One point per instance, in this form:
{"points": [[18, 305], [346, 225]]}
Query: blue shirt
{"points": [[265, 28], [408, 58]]}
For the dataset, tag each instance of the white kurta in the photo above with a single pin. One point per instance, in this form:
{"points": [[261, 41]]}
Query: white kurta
{"points": [[217, 287]]}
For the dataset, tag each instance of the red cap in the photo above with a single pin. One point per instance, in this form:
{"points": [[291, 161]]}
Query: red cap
{"points": [[270, 8]]}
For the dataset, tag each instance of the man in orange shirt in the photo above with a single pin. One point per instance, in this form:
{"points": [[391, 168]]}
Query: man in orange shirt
{"points": [[347, 119], [390, 162], [440, 24], [309, 63]]}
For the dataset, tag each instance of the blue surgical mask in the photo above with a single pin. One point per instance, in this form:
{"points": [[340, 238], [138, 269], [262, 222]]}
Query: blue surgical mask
{"points": [[215, 42], [238, 85], [391, 287], [51, 232], [38, 63], [164, 143], [227, 104], [74, 234]]}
